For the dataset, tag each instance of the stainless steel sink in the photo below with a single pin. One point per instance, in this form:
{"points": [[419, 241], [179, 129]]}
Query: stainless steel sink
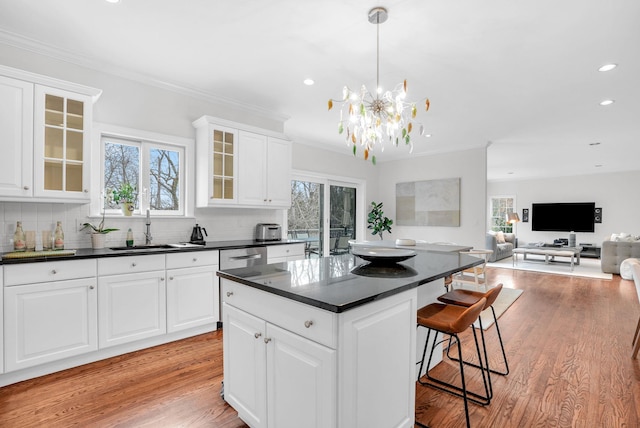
{"points": [[142, 247]]}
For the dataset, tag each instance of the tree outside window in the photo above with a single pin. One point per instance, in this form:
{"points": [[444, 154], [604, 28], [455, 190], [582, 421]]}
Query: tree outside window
{"points": [[500, 207], [152, 169]]}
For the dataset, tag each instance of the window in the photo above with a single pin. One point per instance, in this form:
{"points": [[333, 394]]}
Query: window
{"points": [[155, 168], [500, 207]]}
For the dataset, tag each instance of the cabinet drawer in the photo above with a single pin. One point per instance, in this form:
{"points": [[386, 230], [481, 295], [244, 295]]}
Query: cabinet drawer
{"points": [[31, 273], [192, 259], [285, 250], [130, 264], [307, 321]]}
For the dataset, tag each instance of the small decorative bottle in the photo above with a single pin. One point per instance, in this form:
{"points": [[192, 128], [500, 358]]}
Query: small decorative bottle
{"points": [[129, 238], [19, 243], [58, 237]]}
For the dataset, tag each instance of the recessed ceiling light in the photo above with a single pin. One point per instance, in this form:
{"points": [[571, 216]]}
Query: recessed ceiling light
{"points": [[607, 102], [113, 1], [308, 82], [427, 135], [607, 67]]}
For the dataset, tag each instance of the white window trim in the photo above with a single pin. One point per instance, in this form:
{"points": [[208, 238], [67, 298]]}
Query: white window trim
{"points": [[187, 186]]}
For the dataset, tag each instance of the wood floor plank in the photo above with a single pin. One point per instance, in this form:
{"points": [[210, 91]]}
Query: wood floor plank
{"points": [[568, 341]]}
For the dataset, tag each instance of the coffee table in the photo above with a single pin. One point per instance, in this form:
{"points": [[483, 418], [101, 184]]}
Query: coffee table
{"points": [[549, 252]]}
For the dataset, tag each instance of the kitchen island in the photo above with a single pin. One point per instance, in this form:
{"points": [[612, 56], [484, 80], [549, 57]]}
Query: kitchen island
{"points": [[328, 342]]}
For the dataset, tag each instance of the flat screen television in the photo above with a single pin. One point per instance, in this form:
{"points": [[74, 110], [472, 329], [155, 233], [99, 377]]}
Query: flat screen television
{"points": [[563, 217]]}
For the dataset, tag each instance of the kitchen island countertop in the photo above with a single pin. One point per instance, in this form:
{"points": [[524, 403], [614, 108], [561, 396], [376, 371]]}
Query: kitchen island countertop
{"points": [[340, 283]]}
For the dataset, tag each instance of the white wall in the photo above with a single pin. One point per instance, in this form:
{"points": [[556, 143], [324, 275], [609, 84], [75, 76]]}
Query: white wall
{"points": [[615, 193], [147, 107], [469, 165]]}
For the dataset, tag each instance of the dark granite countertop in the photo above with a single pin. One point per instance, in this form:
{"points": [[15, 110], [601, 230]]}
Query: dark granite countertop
{"points": [[88, 253], [340, 283]]}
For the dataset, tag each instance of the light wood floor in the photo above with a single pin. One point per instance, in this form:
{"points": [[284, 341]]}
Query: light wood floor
{"points": [[568, 341]]}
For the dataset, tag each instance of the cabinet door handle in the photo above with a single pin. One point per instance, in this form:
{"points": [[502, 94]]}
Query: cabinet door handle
{"points": [[195, 259], [162, 278], [308, 323], [267, 339], [133, 265], [229, 293], [53, 272], [170, 278], [26, 187], [257, 335], [86, 190], [91, 287]]}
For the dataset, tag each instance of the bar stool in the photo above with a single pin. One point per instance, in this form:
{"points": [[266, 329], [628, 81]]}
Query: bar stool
{"points": [[451, 320], [467, 298]]}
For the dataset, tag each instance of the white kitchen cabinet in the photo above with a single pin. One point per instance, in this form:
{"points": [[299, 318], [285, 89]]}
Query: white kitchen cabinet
{"points": [[1, 320], [49, 320], [241, 165], [131, 307], [62, 144], [275, 378], [45, 125], [320, 366], [16, 137], [285, 253], [192, 290], [216, 164], [264, 176]]}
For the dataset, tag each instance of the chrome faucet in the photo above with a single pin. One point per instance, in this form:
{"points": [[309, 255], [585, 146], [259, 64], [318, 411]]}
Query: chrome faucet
{"points": [[147, 235]]}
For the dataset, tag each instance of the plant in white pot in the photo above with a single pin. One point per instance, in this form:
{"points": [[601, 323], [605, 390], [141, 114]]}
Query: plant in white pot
{"points": [[98, 234], [377, 221], [125, 196]]}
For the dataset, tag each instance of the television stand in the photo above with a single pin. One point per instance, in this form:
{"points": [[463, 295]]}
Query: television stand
{"points": [[590, 251]]}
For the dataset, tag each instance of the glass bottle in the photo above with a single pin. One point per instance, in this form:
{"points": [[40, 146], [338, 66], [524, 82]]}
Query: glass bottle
{"points": [[129, 238], [58, 237], [19, 243]]}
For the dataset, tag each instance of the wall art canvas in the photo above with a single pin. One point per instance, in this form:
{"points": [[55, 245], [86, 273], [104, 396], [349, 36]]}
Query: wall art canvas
{"points": [[428, 203]]}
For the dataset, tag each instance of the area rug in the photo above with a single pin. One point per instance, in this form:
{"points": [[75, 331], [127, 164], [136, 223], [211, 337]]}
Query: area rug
{"points": [[588, 268], [505, 299]]}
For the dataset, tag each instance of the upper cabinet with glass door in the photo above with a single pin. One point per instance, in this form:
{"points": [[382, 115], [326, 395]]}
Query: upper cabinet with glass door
{"points": [[61, 144], [216, 164], [46, 124], [241, 165]]}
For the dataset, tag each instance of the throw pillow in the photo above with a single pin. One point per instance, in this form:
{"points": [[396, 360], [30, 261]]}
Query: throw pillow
{"points": [[500, 238]]}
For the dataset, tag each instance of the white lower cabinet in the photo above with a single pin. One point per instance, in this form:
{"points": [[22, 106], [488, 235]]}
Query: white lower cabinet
{"points": [[1, 320], [192, 297], [288, 364], [275, 378], [285, 253], [49, 321], [131, 307]]}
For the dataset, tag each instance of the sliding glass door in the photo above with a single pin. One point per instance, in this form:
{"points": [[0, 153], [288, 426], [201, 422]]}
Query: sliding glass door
{"points": [[324, 213]]}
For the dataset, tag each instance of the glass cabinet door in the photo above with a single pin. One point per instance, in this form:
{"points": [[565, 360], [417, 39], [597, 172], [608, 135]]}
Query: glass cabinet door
{"points": [[224, 153], [61, 142]]}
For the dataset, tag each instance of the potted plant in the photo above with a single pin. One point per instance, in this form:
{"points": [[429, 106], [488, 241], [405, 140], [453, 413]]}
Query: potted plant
{"points": [[99, 233], [125, 196], [377, 221]]}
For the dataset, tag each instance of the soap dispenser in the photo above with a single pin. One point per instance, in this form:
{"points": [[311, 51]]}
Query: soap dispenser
{"points": [[129, 238]]}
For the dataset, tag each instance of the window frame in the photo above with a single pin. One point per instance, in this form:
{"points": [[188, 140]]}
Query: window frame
{"points": [[146, 141], [505, 225]]}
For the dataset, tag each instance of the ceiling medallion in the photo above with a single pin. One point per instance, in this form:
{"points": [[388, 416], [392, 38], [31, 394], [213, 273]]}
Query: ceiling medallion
{"points": [[377, 119]]}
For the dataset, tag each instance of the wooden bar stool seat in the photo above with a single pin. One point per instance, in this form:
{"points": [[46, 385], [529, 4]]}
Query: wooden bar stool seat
{"points": [[451, 320], [467, 298]]}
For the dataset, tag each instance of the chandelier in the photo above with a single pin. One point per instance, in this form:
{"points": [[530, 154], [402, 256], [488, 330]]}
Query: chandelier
{"points": [[375, 119]]}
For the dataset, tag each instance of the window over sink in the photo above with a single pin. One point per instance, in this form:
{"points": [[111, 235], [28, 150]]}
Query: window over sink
{"points": [[155, 165]]}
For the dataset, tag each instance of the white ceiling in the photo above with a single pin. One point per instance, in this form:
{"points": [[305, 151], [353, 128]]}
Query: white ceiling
{"points": [[521, 75]]}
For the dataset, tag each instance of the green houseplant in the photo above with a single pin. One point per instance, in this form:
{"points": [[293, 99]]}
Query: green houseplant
{"points": [[98, 232], [377, 221], [125, 196]]}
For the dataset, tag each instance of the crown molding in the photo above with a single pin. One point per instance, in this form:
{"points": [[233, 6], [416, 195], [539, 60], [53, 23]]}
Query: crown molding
{"points": [[41, 48]]}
